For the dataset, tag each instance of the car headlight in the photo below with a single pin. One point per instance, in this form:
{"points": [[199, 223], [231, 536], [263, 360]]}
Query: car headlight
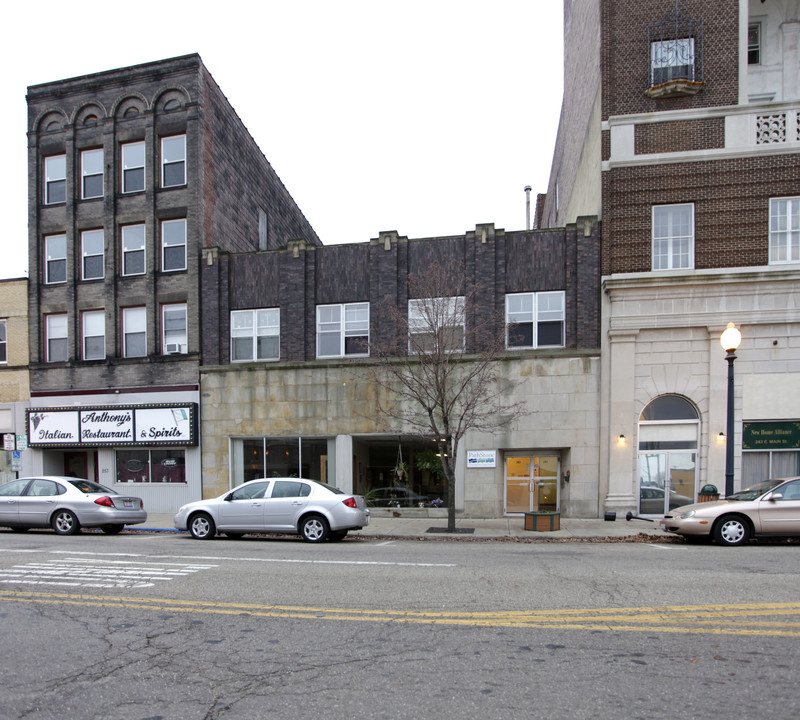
{"points": [[687, 514]]}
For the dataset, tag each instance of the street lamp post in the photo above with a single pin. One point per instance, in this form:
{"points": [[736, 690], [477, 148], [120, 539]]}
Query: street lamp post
{"points": [[730, 340]]}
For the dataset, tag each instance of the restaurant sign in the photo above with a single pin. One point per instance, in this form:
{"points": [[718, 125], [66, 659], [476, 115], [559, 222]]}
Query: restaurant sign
{"points": [[771, 436], [119, 425]]}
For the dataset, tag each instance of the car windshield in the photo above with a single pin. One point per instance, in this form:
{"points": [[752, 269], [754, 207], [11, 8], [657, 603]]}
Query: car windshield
{"points": [[755, 491], [87, 486]]}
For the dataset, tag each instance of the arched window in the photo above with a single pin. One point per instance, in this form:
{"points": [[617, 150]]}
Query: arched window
{"points": [[669, 407]]}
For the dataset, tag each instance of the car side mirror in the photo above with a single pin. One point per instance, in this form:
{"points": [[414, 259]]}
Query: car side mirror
{"points": [[775, 496], [229, 497]]}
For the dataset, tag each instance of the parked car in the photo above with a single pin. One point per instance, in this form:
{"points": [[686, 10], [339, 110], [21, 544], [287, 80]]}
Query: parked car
{"points": [[66, 504], [276, 505], [651, 500], [398, 496], [770, 508]]}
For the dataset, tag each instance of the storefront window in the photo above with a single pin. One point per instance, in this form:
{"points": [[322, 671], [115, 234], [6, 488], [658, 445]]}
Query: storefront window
{"points": [[160, 465], [387, 474]]}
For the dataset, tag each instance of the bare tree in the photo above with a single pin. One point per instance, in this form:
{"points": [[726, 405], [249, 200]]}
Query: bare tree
{"points": [[436, 373]]}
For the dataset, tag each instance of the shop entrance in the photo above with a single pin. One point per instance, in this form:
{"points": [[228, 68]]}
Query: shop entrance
{"points": [[532, 483], [666, 481], [76, 464]]}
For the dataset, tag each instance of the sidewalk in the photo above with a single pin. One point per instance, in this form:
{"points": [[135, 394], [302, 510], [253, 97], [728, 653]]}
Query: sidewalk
{"points": [[511, 528]]}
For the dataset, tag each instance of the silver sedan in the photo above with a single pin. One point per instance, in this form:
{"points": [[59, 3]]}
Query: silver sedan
{"points": [[66, 504], [315, 511]]}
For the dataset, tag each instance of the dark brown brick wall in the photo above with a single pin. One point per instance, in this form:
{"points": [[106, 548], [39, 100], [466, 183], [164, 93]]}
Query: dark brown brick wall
{"points": [[679, 136], [228, 179], [532, 261], [626, 54], [731, 200]]}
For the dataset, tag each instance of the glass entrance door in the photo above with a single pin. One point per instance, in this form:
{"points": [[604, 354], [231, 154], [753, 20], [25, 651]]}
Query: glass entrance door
{"points": [[666, 481], [532, 483]]}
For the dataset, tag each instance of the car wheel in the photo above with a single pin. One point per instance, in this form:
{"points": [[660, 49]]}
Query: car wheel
{"points": [[112, 529], [202, 527], [337, 536], [314, 528], [65, 522], [731, 530]]}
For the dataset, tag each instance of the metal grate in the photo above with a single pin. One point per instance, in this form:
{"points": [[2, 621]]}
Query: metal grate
{"points": [[676, 49]]}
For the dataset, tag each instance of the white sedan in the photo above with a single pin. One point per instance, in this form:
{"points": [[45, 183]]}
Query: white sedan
{"points": [[311, 509]]}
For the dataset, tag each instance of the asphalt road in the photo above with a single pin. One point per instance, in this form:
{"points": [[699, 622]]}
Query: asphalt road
{"points": [[143, 627]]}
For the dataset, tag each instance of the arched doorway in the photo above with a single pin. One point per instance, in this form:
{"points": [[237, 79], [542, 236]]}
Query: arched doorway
{"points": [[669, 428]]}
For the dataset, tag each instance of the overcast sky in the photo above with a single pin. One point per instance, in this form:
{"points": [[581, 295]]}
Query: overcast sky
{"points": [[426, 117]]}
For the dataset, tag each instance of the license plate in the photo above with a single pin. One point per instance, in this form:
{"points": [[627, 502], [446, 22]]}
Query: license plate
{"points": [[128, 503]]}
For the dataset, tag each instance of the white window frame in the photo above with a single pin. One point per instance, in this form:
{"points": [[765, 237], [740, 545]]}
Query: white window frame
{"points": [[424, 313], [677, 53], [173, 235], [784, 230], [56, 330], [754, 46], [55, 252], [541, 309], [132, 158], [134, 322], [55, 176], [88, 238], [89, 158], [3, 342], [340, 324], [667, 234], [131, 245], [174, 342], [173, 153], [93, 326], [255, 326]]}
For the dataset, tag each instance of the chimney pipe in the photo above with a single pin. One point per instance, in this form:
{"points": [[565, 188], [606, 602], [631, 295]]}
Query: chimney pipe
{"points": [[527, 207]]}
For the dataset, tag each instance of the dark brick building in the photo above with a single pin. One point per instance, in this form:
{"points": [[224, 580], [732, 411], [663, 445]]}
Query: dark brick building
{"points": [[287, 360], [682, 132], [132, 173]]}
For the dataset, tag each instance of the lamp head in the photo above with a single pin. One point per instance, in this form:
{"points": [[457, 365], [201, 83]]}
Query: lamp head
{"points": [[730, 338]]}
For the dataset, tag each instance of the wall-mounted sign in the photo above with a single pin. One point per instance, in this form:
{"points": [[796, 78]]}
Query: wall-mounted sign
{"points": [[771, 435], [481, 458], [119, 425], [9, 443]]}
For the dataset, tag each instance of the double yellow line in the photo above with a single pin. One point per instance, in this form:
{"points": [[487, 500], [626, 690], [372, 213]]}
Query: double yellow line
{"points": [[772, 619]]}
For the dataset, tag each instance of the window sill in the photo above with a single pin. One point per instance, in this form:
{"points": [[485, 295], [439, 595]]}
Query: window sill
{"points": [[675, 88]]}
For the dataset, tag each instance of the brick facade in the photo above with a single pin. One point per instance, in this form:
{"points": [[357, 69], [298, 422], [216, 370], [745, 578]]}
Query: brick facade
{"points": [[731, 200], [625, 54], [493, 263], [228, 185]]}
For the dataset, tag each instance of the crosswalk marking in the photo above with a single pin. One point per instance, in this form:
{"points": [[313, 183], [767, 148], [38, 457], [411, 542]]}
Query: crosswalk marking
{"points": [[83, 572]]}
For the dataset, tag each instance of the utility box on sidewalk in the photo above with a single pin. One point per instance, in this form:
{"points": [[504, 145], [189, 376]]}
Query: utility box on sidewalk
{"points": [[542, 521]]}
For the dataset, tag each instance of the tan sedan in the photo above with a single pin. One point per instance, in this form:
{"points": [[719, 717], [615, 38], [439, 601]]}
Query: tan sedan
{"points": [[769, 509]]}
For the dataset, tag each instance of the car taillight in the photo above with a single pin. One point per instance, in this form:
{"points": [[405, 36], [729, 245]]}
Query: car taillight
{"points": [[350, 502], [107, 501]]}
